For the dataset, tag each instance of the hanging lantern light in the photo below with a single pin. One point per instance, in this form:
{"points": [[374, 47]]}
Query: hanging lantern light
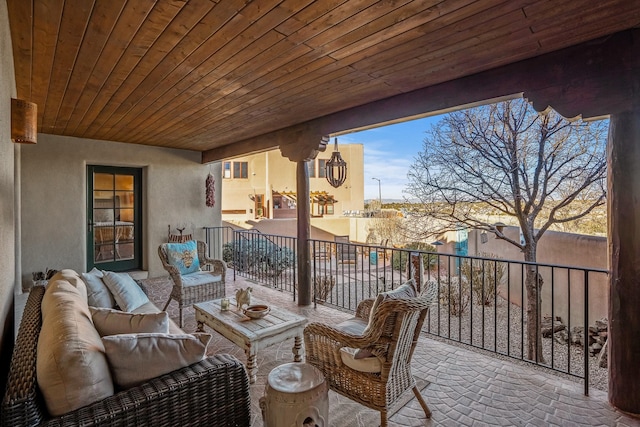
{"points": [[210, 190], [336, 168]]}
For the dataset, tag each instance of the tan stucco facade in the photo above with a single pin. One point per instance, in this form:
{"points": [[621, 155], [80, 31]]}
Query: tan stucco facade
{"points": [[270, 172], [554, 248]]}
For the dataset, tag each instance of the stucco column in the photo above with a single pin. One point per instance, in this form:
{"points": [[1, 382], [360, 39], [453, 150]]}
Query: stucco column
{"points": [[300, 151], [624, 260]]}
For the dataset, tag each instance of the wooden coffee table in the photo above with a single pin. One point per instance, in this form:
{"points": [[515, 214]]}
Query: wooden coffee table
{"points": [[252, 335]]}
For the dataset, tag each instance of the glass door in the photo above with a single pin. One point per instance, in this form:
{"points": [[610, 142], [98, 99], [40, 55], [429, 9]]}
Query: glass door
{"points": [[114, 213]]}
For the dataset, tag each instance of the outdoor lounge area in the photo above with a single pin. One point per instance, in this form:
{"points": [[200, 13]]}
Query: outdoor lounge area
{"points": [[462, 387], [131, 109]]}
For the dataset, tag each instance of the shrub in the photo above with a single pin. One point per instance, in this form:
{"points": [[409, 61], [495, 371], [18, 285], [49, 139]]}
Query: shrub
{"points": [[455, 295], [399, 259], [323, 285], [485, 276], [258, 256]]}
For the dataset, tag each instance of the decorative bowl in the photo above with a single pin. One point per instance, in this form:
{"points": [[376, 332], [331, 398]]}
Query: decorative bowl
{"points": [[257, 311]]}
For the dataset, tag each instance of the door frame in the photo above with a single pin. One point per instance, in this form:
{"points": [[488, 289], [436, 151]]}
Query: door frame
{"points": [[124, 265]]}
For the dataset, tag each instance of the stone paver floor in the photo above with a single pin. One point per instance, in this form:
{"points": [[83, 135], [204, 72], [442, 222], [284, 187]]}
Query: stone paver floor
{"points": [[466, 388]]}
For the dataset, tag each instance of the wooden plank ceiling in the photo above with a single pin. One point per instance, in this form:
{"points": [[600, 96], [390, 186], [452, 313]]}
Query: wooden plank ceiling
{"points": [[202, 74]]}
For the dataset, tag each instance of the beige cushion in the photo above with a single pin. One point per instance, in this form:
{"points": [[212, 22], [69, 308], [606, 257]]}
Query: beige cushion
{"points": [[112, 322], [98, 295], [136, 358], [150, 307], [367, 364], [71, 366]]}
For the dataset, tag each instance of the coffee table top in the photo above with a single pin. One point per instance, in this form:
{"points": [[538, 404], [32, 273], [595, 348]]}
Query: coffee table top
{"points": [[273, 323]]}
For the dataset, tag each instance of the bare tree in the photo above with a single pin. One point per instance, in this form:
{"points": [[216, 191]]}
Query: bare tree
{"points": [[506, 159]]}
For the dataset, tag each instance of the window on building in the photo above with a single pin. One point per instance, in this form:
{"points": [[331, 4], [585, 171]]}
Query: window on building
{"points": [[321, 168], [311, 164], [227, 170], [240, 169]]}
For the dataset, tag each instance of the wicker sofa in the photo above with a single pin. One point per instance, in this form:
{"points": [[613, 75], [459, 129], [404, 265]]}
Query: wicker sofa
{"points": [[214, 391]]}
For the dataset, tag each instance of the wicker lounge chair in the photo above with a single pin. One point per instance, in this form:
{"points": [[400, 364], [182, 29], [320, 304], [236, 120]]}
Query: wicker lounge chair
{"points": [[195, 287], [214, 391], [391, 335]]}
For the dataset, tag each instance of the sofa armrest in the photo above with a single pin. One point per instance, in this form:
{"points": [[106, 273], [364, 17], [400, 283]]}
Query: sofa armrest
{"points": [[214, 391]]}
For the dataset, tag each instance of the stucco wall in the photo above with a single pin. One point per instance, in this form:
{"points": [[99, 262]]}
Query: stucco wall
{"points": [[7, 201], [555, 248], [54, 187]]}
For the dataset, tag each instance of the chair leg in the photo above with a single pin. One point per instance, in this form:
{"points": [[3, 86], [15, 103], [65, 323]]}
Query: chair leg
{"points": [[180, 316], [425, 408], [383, 418], [167, 304]]}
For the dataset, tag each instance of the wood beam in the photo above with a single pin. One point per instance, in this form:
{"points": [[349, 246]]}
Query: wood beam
{"points": [[592, 79], [623, 197]]}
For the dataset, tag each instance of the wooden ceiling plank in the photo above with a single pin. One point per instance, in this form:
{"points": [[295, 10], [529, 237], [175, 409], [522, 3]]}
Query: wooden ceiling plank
{"points": [[166, 115], [158, 20], [45, 36], [102, 22], [401, 20], [459, 41], [75, 18], [368, 18], [328, 20], [243, 60], [309, 14], [212, 116], [434, 19], [163, 111], [129, 22], [456, 31], [580, 16], [21, 17], [230, 26], [156, 63]]}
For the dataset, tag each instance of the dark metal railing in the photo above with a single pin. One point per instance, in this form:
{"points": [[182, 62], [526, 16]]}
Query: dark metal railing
{"points": [[482, 301]]}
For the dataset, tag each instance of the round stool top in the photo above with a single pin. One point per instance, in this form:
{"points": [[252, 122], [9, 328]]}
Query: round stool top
{"points": [[294, 377]]}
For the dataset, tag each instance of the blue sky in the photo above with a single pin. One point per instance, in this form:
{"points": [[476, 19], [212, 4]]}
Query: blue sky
{"points": [[389, 151]]}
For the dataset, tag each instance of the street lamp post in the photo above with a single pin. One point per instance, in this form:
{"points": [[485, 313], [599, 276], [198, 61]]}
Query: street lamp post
{"points": [[379, 191]]}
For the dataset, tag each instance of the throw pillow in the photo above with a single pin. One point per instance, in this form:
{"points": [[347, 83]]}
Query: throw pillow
{"points": [[406, 290], [112, 322], [98, 294], [184, 256], [136, 358], [125, 290], [71, 365]]}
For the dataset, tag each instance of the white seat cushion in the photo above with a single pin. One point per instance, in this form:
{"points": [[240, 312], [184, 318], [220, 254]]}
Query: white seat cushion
{"points": [[200, 278], [367, 364]]}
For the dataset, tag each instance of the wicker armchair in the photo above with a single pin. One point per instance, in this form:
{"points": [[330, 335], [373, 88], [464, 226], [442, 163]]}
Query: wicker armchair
{"points": [[391, 335], [195, 287]]}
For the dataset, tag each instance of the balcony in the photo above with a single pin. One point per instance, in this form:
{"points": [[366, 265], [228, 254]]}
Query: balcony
{"points": [[474, 368]]}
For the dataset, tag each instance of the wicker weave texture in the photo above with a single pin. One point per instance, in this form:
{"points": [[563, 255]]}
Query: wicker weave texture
{"points": [[189, 295], [392, 337], [214, 391]]}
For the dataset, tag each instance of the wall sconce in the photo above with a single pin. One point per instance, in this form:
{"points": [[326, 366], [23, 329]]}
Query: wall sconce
{"points": [[24, 121], [336, 168]]}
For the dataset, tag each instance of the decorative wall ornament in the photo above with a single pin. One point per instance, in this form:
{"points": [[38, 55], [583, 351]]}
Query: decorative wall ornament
{"points": [[336, 168], [210, 185]]}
